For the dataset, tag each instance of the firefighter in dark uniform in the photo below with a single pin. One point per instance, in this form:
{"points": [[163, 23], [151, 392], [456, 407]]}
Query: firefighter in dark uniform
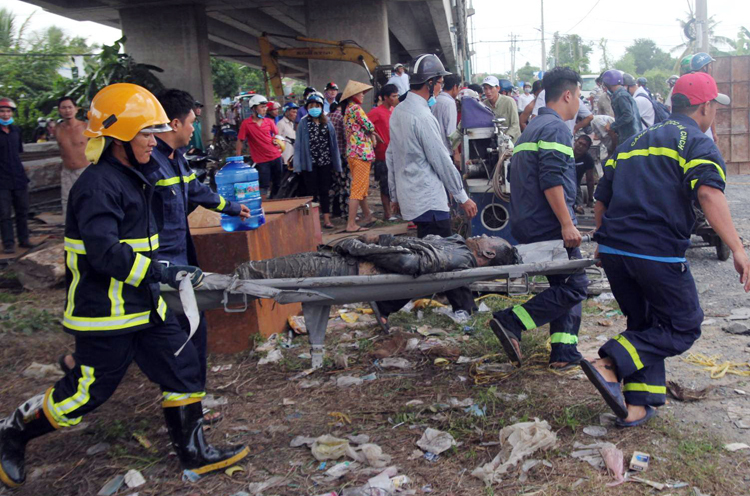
{"points": [[542, 178], [644, 214], [176, 193], [113, 307]]}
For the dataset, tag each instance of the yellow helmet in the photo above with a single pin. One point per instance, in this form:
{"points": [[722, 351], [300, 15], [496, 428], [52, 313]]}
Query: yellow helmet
{"points": [[123, 110], [280, 143]]}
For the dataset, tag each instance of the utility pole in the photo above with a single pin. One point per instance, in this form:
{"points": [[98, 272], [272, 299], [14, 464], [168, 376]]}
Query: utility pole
{"points": [[513, 49], [701, 25], [544, 51], [557, 49]]}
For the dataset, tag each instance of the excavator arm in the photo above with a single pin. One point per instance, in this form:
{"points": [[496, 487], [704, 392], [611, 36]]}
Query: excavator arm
{"points": [[330, 50]]}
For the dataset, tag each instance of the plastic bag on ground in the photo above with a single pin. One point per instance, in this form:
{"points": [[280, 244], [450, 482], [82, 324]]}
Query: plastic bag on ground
{"points": [[613, 460], [518, 441], [436, 441], [327, 447]]}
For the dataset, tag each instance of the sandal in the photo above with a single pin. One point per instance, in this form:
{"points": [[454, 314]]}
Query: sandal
{"points": [[329, 226], [610, 391], [650, 413], [359, 229], [568, 366], [507, 341]]}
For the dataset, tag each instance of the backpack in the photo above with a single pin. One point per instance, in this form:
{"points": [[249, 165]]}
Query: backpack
{"points": [[661, 111]]}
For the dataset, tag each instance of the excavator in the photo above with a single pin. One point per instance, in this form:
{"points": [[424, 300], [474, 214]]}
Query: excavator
{"points": [[344, 51]]}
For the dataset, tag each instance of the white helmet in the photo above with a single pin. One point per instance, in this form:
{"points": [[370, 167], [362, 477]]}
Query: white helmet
{"points": [[257, 100], [467, 93]]}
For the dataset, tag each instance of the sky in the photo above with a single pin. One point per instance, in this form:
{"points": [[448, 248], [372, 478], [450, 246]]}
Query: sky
{"points": [[619, 21]]}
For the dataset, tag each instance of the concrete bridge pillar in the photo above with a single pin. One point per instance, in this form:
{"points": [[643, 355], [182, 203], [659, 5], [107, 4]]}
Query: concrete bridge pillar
{"points": [[363, 22], [174, 38]]}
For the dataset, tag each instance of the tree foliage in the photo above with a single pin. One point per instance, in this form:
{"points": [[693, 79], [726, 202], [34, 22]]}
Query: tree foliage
{"points": [[527, 72], [645, 58], [573, 53], [230, 78]]}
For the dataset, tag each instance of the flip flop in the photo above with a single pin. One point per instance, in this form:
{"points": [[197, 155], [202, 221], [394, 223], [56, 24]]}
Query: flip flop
{"points": [[384, 326], [650, 413], [359, 229], [329, 226], [370, 224], [569, 366], [506, 340], [610, 391]]}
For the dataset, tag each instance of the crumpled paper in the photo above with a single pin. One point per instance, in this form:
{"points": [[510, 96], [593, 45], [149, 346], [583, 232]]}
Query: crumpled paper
{"points": [[327, 447], [436, 441], [517, 442]]}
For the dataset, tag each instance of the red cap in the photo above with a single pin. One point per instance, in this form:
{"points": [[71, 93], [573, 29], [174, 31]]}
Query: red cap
{"points": [[697, 88]]}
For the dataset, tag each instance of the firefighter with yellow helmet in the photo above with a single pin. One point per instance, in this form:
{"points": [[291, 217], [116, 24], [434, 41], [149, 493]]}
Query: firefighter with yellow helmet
{"points": [[113, 307]]}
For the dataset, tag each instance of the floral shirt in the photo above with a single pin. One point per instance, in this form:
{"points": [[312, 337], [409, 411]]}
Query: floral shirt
{"points": [[320, 148], [358, 126]]}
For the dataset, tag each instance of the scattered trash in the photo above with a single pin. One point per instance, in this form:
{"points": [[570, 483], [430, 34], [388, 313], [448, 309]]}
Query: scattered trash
{"points": [[740, 391], [613, 460], [441, 362], [595, 431], [459, 316], [341, 417], [511, 397], [426, 302], [736, 328], [322, 465], [416, 454], [455, 403], [257, 488], [40, 371], [717, 370], [591, 453], [341, 469], [578, 482], [483, 308], [518, 441], [234, 469], [463, 359], [604, 297], [270, 344], [328, 447], [435, 441], [414, 403], [273, 356], [349, 318], [656, 485], [134, 478], [211, 401], [431, 457], [309, 384], [304, 373], [221, 368], [288, 402], [112, 486], [476, 411], [393, 344], [469, 330], [359, 439], [444, 351], [427, 331], [606, 323], [395, 363], [736, 446], [369, 377], [302, 441], [142, 440], [740, 314], [304, 356], [347, 380], [697, 492], [97, 448], [341, 361], [686, 394], [297, 324], [190, 476], [607, 419]]}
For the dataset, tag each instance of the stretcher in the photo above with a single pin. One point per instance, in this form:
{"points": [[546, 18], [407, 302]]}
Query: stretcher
{"points": [[318, 294]]}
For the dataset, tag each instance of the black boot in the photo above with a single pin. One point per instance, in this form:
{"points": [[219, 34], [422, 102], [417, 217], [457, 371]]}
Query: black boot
{"points": [[185, 425], [23, 425]]}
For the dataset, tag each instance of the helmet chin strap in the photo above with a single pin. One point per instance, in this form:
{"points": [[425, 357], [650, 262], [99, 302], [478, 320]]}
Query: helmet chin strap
{"points": [[129, 153], [431, 86]]}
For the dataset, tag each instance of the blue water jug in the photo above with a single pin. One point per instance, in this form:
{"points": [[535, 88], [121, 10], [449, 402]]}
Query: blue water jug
{"points": [[238, 182]]}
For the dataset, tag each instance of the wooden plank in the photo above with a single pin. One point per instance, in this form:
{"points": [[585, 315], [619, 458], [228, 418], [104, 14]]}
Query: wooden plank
{"points": [[722, 70], [286, 205], [395, 229], [9, 257]]}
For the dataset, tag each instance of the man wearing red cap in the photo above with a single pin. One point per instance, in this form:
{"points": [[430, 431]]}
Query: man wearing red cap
{"points": [[644, 218]]}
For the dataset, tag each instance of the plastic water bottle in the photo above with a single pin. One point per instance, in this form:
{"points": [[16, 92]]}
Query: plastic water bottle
{"points": [[238, 182]]}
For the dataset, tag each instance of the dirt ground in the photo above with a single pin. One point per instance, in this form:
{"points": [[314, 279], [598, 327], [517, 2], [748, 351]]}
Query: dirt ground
{"points": [[266, 410]]}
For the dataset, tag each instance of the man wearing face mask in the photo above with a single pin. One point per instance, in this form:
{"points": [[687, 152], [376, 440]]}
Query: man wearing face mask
{"points": [[113, 306], [526, 98], [542, 178], [259, 133], [420, 168], [503, 106]]}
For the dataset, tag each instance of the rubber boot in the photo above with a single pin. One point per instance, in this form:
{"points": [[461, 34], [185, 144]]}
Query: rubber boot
{"points": [[185, 425], [23, 425]]}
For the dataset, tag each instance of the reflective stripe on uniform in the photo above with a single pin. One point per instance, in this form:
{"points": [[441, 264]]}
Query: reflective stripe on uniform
{"points": [[222, 204], [666, 152], [115, 297], [171, 181], [137, 244], [631, 351], [170, 400], [139, 270], [59, 411], [563, 338], [105, 323], [645, 388], [544, 145], [526, 319], [161, 308], [143, 244], [72, 262]]}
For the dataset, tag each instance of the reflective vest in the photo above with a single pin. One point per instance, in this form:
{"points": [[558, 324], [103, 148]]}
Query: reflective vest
{"points": [[110, 240]]}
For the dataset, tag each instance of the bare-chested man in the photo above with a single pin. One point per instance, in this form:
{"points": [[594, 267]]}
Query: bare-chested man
{"points": [[72, 144]]}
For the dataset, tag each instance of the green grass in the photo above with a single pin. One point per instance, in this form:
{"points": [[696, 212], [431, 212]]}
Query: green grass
{"points": [[28, 320], [8, 297]]}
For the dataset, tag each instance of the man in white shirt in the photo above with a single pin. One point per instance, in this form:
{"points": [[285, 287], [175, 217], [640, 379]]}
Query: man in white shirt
{"points": [[642, 99], [526, 98], [584, 114], [445, 110], [400, 78]]}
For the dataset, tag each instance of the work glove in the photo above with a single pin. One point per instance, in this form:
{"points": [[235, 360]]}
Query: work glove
{"points": [[173, 274]]}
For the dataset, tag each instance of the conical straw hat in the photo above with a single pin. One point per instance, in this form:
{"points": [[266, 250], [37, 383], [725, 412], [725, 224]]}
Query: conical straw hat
{"points": [[354, 87]]}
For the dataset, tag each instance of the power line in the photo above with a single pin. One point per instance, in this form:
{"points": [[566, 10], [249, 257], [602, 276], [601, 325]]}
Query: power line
{"points": [[49, 54], [584, 17]]}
